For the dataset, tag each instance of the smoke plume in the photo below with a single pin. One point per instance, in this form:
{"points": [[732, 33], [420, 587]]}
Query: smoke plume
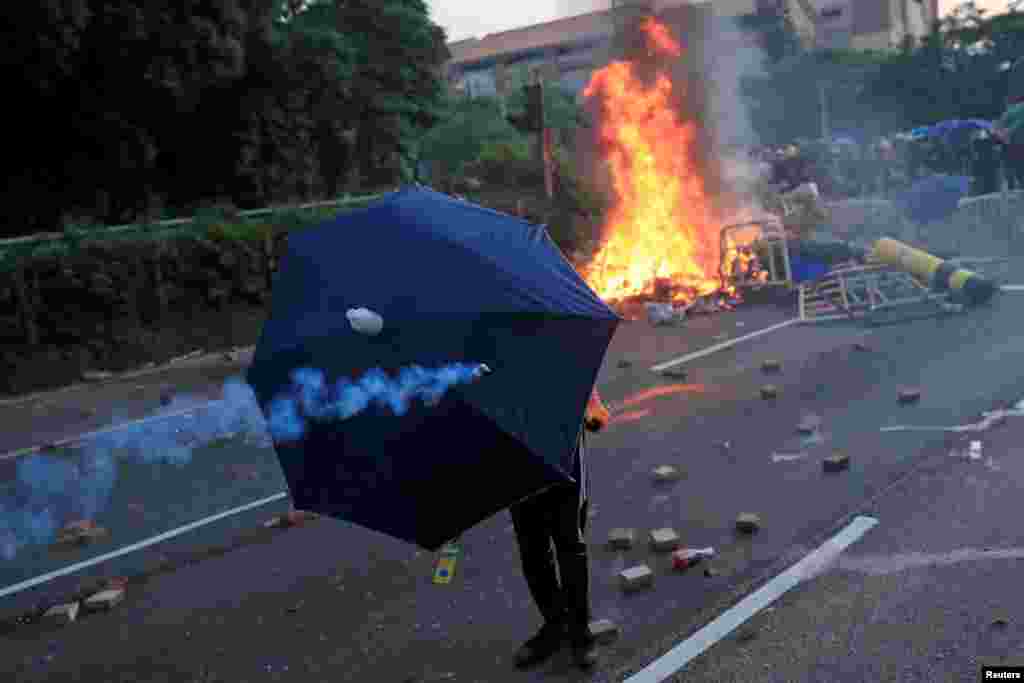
{"points": [[52, 489]]}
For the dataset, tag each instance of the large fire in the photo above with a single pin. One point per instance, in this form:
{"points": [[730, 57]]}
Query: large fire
{"points": [[661, 228]]}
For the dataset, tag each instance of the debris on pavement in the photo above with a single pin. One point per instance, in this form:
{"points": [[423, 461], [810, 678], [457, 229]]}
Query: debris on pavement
{"points": [[79, 533], [105, 600], [725, 447], [664, 540], [685, 558], [909, 395], [748, 523], [836, 462], [625, 363], [809, 424], [666, 473], [769, 391], [292, 518], [710, 572], [975, 450], [444, 570], [787, 457], [861, 346], [663, 314], [621, 539], [636, 578], [62, 614], [604, 631], [771, 365]]}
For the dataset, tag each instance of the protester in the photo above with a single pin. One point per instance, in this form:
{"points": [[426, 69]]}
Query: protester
{"points": [[558, 517]]}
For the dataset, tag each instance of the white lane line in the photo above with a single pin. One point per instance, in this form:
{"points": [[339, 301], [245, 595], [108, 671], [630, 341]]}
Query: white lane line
{"points": [[661, 367], [106, 430], [71, 569], [676, 658], [1011, 288]]}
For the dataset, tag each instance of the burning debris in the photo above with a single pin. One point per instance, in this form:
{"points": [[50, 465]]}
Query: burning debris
{"points": [[665, 237]]}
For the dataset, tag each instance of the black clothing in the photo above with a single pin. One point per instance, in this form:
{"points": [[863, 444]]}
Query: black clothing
{"points": [[550, 529]]}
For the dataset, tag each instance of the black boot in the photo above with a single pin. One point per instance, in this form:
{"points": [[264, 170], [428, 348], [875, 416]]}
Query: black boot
{"points": [[541, 647], [575, 571]]}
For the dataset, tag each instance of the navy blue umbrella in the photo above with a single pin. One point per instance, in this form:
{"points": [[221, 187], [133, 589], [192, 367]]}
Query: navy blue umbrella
{"points": [[934, 198], [397, 430]]}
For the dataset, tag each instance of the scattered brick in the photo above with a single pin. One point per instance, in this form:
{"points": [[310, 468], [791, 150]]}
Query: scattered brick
{"points": [[771, 365], [636, 578], [769, 391], [748, 523], [837, 462], [625, 363], [909, 395], [675, 373], [105, 600], [603, 631], [62, 614], [664, 540], [79, 533], [621, 538], [666, 473], [809, 424]]}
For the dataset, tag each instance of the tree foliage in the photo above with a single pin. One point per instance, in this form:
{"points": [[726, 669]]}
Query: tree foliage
{"points": [[130, 104], [958, 71]]}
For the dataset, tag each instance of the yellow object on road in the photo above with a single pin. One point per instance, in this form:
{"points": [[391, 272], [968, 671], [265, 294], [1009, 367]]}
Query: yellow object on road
{"points": [[940, 275]]}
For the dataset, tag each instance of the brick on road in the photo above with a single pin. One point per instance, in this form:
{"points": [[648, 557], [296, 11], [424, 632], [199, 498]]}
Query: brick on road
{"points": [[769, 391], [79, 533], [836, 462], [666, 473], [603, 631], [621, 538], [636, 578], [664, 540], [909, 395], [748, 523]]}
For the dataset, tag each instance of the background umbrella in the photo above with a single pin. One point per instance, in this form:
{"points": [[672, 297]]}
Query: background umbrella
{"points": [[934, 198], [453, 282]]}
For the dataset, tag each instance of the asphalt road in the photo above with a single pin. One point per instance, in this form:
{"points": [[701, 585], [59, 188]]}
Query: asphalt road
{"points": [[335, 602]]}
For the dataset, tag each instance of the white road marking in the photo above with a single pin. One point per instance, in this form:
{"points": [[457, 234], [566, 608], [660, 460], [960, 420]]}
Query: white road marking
{"points": [[1011, 288], [679, 656], [71, 569], [106, 430], [989, 420], [661, 367]]}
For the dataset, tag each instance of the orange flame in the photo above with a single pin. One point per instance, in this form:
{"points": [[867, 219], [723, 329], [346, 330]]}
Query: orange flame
{"points": [[661, 228]]}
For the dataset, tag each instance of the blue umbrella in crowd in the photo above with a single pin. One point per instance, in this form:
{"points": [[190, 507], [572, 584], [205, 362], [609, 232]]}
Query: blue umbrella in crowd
{"points": [[426, 363], [934, 198]]}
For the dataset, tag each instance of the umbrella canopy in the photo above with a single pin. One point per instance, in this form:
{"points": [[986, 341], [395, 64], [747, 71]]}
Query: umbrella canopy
{"points": [[934, 198], [453, 283]]}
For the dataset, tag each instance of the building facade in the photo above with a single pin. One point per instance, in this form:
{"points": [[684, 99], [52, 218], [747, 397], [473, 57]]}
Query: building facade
{"points": [[873, 24], [568, 50]]}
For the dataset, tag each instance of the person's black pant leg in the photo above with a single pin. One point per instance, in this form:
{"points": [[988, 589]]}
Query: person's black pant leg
{"points": [[533, 521]]}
